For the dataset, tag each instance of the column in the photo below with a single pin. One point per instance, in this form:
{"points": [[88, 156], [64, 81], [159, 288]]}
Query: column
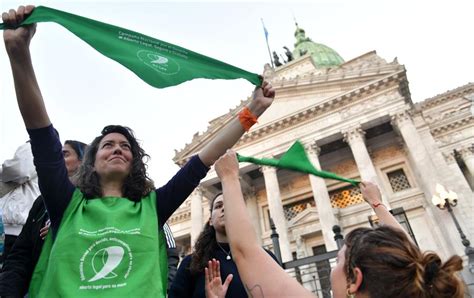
{"points": [[196, 214], [323, 203], [356, 140], [417, 150], [428, 175], [252, 209], [465, 207], [467, 155], [276, 210], [457, 174]]}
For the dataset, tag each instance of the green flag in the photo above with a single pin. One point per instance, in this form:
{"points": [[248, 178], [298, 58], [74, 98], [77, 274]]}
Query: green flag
{"points": [[295, 159], [157, 62]]}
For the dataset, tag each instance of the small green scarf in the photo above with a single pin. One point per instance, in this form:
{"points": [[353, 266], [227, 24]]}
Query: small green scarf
{"points": [[157, 62], [295, 159]]}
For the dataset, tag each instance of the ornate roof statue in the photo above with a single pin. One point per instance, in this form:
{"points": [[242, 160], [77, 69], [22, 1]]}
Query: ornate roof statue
{"points": [[288, 54], [276, 60]]}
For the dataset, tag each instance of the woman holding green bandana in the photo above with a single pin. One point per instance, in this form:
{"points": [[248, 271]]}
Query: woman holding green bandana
{"points": [[104, 239], [373, 263]]}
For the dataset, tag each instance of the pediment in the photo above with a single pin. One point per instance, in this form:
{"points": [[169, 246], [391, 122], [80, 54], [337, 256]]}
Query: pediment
{"points": [[308, 215], [310, 93]]}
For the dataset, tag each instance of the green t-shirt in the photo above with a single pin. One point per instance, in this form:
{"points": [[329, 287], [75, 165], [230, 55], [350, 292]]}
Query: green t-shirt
{"points": [[105, 247]]}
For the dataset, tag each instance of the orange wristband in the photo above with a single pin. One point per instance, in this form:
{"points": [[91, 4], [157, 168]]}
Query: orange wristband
{"points": [[247, 119]]}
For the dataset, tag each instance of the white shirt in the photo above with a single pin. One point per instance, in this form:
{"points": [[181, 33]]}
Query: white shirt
{"points": [[19, 180]]}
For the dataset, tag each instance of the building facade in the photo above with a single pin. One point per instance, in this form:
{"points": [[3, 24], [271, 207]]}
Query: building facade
{"points": [[356, 119]]}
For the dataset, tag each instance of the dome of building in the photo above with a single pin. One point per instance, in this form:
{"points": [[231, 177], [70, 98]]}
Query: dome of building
{"points": [[322, 55]]}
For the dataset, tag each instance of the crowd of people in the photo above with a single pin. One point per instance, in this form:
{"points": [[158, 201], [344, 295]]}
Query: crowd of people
{"points": [[98, 225]]}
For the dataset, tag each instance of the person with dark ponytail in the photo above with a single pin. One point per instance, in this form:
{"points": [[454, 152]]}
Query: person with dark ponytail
{"points": [[379, 262], [211, 244], [384, 262]]}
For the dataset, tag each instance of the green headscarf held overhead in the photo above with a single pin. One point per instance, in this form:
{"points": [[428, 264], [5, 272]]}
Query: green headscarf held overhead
{"points": [[295, 159], [156, 62]]}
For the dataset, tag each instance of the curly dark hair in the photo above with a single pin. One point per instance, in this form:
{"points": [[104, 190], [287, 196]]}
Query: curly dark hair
{"points": [[136, 185], [393, 266], [206, 243]]}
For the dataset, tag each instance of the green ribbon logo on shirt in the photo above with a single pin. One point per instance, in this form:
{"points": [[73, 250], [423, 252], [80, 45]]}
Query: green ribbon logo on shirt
{"points": [[106, 259]]}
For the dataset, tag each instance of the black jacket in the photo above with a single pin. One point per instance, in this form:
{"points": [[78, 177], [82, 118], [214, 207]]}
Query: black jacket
{"points": [[18, 267], [173, 260], [189, 285]]}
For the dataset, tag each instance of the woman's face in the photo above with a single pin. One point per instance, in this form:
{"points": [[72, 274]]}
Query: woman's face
{"points": [[71, 159], [217, 214], [114, 157], [338, 276]]}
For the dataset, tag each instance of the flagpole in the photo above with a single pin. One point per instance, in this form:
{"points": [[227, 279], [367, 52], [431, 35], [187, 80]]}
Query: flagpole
{"points": [[268, 46]]}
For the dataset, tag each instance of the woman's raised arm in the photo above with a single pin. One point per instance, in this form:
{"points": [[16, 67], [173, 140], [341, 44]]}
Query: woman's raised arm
{"points": [[261, 275], [17, 43], [229, 135]]}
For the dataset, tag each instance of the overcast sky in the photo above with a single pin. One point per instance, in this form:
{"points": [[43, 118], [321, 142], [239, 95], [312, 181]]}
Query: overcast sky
{"points": [[84, 91]]}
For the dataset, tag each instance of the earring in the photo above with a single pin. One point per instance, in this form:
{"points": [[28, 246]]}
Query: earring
{"points": [[349, 294]]}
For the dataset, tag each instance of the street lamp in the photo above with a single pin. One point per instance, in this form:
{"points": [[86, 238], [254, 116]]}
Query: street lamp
{"points": [[445, 200]]}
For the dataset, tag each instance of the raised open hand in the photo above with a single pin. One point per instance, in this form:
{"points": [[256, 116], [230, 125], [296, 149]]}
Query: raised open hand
{"points": [[214, 286]]}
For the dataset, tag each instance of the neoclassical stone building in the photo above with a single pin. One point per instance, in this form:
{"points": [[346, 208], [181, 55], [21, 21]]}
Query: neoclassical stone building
{"points": [[357, 119]]}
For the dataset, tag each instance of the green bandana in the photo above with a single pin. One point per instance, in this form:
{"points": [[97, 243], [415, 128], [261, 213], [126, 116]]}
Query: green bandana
{"points": [[105, 247], [158, 63], [295, 159]]}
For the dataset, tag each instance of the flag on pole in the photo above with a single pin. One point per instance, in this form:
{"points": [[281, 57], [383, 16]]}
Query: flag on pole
{"points": [[265, 30], [295, 159], [156, 62], [268, 45]]}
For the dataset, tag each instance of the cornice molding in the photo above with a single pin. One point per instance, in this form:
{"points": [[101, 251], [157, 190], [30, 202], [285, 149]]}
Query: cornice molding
{"points": [[452, 126], [180, 217], [437, 119], [450, 94]]}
